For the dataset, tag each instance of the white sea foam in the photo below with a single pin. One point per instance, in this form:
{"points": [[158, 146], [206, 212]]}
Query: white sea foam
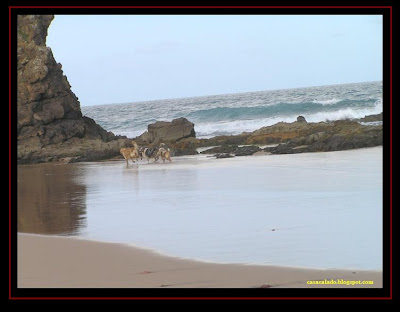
{"points": [[346, 113], [327, 102], [207, 130], [210, 129]]}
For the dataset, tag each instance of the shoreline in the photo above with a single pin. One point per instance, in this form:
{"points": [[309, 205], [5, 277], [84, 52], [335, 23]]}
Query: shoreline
{"points": [[162, 254], [298, 136], [201, 154], [56, 261]]}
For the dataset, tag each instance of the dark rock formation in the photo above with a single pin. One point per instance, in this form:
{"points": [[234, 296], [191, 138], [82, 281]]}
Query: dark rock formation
{"points": [[224, 155], [224, 149], [371, 118], [185, 146], [226, 140], [296, 137], [246, 150], [301, 119], [335, 136], [50, 122], [233, 149], [163, 131], [282, 132]]}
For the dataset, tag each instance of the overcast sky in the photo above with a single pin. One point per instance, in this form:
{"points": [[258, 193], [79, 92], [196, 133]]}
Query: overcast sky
{"points": [[128, 58]]}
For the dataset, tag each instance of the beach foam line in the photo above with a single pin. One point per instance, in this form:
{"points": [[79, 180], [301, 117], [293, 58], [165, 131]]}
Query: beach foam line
{"points": [[207, 261], [53, 261]]}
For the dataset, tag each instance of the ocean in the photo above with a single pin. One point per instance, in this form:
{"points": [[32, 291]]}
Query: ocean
{"points": [[230, 114]]}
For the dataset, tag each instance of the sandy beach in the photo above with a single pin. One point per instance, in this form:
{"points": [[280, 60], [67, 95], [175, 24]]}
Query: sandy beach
{"points": [[248, 221], [46, 261]]}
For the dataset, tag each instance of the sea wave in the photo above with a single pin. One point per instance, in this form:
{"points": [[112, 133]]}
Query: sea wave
{"points": [[212, 122], [221, 114], [235, 113], [210, 129]]}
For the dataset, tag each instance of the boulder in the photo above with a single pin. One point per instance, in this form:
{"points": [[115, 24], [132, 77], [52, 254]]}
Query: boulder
{"points": [[163, 131], [187, 146], [301, 119]]}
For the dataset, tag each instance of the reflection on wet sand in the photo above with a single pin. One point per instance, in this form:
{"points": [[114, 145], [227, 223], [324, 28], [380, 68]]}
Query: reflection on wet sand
{"points": [[50, 200], [319, 210]]}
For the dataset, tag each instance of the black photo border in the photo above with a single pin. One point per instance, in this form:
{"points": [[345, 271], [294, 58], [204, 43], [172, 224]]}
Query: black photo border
{"points": [[389, 215]]}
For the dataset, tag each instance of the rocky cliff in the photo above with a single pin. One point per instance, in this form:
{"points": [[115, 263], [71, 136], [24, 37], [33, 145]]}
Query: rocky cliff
{"points": [[50, 123]]}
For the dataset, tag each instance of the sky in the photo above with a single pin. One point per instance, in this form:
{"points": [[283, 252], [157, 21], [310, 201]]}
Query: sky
{"points": [[129, 58]]}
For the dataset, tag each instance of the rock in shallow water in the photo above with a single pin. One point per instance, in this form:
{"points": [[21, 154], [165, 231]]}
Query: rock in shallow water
{"points": [[246, 150], [301, 119], [163, 131], [224, 155]]}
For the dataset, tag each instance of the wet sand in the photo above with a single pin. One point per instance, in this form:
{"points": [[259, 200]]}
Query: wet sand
{"points": [[257, 221], [317, 210], [49, 261]]}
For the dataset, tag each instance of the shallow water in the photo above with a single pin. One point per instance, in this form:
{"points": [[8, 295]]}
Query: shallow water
{"points": [[320, 210]]}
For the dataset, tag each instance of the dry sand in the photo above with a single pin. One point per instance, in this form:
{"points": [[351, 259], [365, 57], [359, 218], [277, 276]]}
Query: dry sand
{"points": [[48, 261]]}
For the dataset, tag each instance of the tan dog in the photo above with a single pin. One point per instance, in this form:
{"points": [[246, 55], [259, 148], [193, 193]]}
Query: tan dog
{"points": [[165, 154], [130, 152]]}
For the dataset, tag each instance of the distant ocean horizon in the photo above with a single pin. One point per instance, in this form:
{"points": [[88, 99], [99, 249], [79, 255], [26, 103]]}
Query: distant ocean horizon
{"points": [[230, 114]]}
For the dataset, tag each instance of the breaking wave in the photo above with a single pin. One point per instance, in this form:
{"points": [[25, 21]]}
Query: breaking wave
{"points": [[244, 112]]}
